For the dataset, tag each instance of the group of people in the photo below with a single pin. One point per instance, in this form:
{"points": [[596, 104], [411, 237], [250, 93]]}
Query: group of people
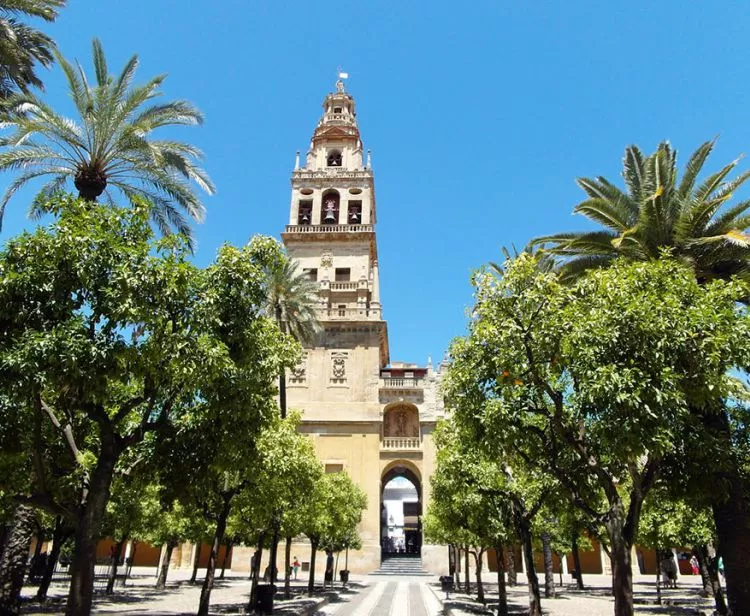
{"points": [[669, 570], [254, 563]]}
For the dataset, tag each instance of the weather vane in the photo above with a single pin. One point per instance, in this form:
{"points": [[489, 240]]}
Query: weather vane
{"points": [[341, 76]]}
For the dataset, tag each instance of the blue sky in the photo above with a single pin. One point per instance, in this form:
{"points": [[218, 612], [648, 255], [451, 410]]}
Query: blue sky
{"points": [[480, 115]]}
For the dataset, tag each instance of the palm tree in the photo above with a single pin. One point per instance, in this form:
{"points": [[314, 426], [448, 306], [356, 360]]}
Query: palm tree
{"points": [[109, 147], [21, 46], [688, 218], [290, 301], [291, 298], [657, 211]]}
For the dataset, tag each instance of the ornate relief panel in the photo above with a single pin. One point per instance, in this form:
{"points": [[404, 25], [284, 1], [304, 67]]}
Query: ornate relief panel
{"points": [[401, 421], [298, 374], [339, 366]]}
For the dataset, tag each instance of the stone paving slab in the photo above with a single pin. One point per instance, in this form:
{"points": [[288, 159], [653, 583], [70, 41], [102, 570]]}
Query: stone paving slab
{"points": [[180, 598]]}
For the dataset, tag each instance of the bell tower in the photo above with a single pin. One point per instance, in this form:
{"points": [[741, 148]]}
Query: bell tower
{"points": [[331, 230], [367, 416]]}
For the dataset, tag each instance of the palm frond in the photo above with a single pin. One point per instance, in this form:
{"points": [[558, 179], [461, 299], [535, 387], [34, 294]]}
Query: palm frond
{"points": [[693, 168]]}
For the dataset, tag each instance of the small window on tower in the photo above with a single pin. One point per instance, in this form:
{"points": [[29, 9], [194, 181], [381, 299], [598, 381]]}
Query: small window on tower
{"points": [[337, 110], [304, 214], [343, 274], [334, 158], [311, 273], [354, 217], [342, 310]]}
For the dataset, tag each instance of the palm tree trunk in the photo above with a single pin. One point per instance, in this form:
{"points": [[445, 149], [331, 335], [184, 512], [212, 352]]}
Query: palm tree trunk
{"points": [[15, 552], [712, 572], [467, 579]]}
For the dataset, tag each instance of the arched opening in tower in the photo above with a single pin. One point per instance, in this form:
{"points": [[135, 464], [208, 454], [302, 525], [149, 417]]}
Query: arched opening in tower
{"points": [[401, 514]]}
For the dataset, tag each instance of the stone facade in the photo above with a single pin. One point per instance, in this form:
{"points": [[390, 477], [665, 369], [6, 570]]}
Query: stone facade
{"points": [[367, 416]]}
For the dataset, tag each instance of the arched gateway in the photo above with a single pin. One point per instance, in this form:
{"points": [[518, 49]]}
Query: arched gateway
{"points": [[400, 511]]}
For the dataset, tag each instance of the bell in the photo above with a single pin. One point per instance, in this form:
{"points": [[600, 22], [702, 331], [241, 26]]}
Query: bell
{"points": [[305, 219], [329, 217], [354, 216]]}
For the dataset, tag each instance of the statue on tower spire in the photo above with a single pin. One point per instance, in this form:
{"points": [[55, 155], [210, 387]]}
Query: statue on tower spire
{"points": [[340, 81]]}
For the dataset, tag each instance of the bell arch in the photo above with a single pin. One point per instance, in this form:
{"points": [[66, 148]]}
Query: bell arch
{"points": [[330, 211]]}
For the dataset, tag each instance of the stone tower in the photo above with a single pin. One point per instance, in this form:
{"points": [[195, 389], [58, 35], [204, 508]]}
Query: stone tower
{"points": [[368, 417]]}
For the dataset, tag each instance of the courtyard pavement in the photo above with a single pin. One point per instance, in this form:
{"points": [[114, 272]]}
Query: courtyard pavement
{"points": [[376, 596]]}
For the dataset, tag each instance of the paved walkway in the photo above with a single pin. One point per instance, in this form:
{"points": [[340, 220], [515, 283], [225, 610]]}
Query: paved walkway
{"points": [[388, 596]]}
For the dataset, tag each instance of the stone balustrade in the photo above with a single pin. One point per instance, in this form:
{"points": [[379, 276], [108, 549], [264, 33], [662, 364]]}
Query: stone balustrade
{"points": [[396, 382], [329, 228], [400, 443]]}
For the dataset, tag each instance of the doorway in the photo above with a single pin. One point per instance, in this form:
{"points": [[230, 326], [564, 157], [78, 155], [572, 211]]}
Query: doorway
{"points": [[400, 513]]}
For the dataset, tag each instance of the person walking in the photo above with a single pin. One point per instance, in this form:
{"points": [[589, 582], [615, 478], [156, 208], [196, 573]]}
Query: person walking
{"points": [[295, 567]]}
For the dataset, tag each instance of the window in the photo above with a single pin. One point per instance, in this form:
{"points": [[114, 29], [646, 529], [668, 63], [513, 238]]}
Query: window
{"points": [[337, 110], [354, 215], [334, 468], [334, 158], [342, 310], [343, 274], [311, 273], [304, 213]]}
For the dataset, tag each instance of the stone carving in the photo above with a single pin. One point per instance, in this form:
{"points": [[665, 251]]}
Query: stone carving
{"points": [[299, 372], [401, 422], [338, 367], [326, 258]]}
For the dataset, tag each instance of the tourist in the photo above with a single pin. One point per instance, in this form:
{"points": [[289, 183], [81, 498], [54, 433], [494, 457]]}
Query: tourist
{"points": [[295, 567], [694, 565]]}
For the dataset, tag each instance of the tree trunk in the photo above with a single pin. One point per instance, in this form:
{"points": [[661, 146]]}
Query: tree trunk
{"points": [[502, 593], [208, 581], [732, 519], [535, 599], [161, 581], [115, 562], [622, 573], [577, 561], [282, 393], [714, 584], [88, 527], [196, 560], [512, 573], [272, 567], [59, 536], [311, 580], [478, 572], [467, 578], [227, 551], [13, 558], [549, 574], [703, 570], [255, 573], [287, 567]]}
